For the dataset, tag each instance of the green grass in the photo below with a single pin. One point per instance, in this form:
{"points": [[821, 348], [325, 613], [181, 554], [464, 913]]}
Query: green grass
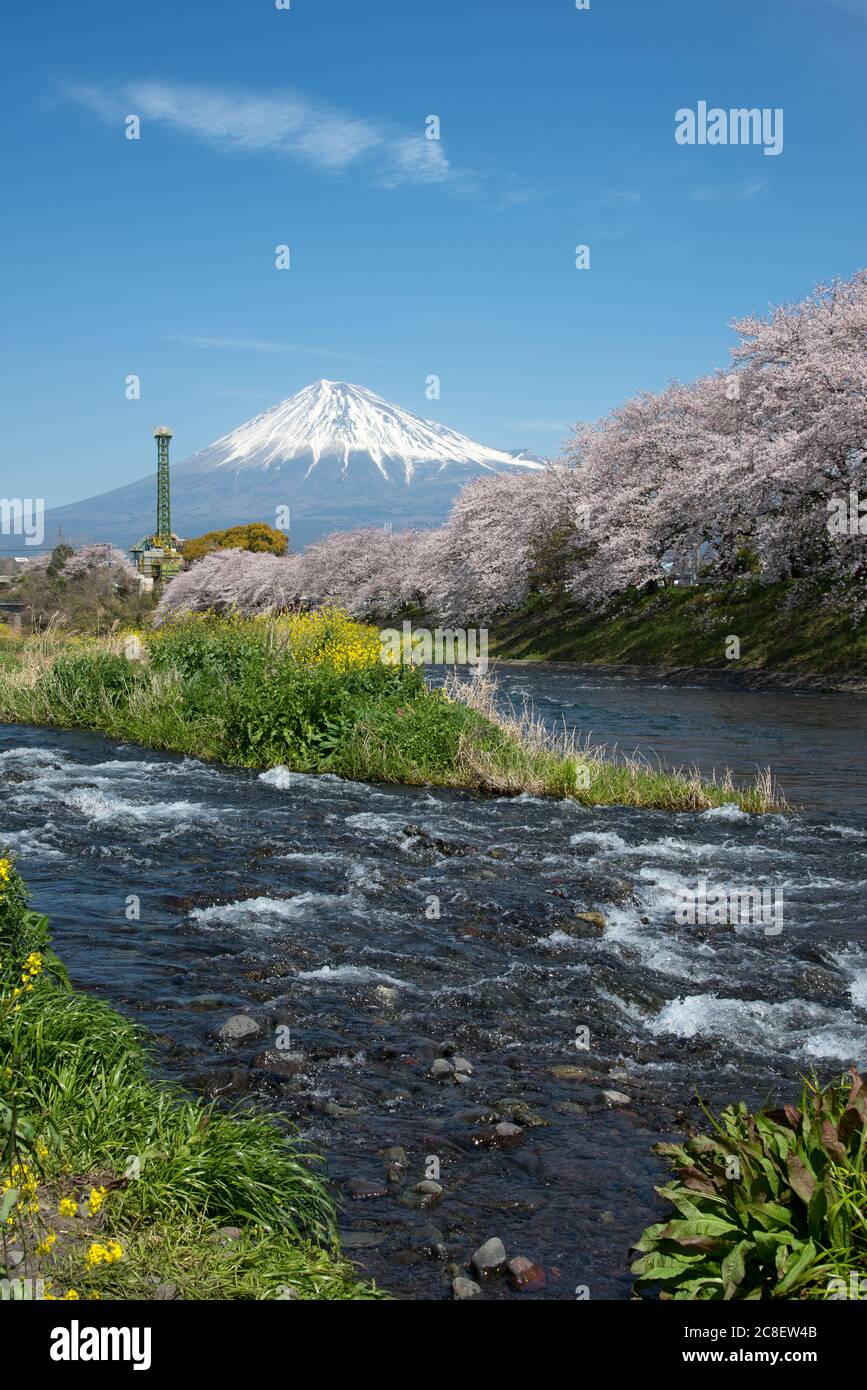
{"points": [[768, 1205], [230, 691], [77, 1080], [782, 627], [259, 1265]]}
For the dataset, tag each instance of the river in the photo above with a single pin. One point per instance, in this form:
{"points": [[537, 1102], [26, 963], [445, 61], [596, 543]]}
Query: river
{"points": [[368, 929]]}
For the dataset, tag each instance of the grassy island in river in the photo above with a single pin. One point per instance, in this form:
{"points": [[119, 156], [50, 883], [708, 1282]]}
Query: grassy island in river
{"points": [[312, 693]]}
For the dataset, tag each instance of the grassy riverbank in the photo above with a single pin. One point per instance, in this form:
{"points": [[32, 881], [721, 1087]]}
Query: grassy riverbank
{"points": [[113, 1185], [781, 627], [311, 693]]}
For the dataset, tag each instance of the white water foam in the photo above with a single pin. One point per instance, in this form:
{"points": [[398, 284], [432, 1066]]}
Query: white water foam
{"points": [[603, 840], [96, 806], [283, 778], [258, 911], [353, 975], [729, 810], [795, 1028]]}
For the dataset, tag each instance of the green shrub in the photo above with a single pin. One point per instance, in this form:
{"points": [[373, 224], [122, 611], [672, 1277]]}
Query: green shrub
{"points": [[86, 685], [771, 1205], [258, 536]]}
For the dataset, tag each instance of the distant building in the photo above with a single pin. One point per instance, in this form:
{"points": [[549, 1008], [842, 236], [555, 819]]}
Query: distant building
{"points": [[157, 562]]}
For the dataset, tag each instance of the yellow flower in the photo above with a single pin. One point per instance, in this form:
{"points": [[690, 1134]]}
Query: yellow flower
{"points": [[44, 1246], [67, 1207], [99, 1253], [96, 1199]]}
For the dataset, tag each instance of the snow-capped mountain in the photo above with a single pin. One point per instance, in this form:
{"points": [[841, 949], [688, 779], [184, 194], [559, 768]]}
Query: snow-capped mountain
{"points": [[336, 455], [332, 419]]}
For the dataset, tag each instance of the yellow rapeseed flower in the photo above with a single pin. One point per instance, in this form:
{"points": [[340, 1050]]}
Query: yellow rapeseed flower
{"points": [[96, 1199], [100, 1253]]}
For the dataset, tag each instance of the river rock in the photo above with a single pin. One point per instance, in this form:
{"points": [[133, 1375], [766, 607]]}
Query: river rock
{"points": [[366, 1190], [567, 1073], [239, 1028], [281, 1063], [338, 1112], [394, 1154], [431, 1242], [442, 1069], [593, 918], [362, 1240], [232, 1082], [519, 1113], [570, 1107], [616, 1097], [464, 1289], [429, 1191], [524, 1274], [507, 1133], [490, 1258], [462, 1066]]}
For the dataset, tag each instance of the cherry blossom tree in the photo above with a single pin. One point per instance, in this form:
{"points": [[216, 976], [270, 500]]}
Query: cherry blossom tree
{"points": [[232, 580], [803, 374], [89, 558], [752, 471]]}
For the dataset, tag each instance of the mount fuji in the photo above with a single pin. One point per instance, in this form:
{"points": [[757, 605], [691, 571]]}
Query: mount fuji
{"points": [[336, 455]]}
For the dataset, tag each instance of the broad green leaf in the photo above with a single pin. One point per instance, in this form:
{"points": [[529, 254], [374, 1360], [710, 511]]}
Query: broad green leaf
{"points": [[7, 1202], [801, 1178], [734, 1266], [801, 1258]]}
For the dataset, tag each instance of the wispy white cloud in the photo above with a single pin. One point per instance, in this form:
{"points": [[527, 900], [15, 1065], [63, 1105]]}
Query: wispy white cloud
{"points": [[244, 344], [729, 192], [286, 124], [265, 345]]}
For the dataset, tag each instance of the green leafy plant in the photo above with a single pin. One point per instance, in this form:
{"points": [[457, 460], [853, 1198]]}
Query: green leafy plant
{"points": [[769, 1205]]}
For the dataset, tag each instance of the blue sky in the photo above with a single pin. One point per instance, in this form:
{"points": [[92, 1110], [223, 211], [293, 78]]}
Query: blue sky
{"points": [[409, 257]]}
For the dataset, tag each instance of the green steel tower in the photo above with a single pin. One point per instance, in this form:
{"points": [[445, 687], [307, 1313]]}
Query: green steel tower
{"points": [[163, 533], [155, 557]]}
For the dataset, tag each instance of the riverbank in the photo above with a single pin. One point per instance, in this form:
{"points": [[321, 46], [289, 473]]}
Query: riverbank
{"points": [[787, 636], [312, 694], [714, 677], [113, 1185]]}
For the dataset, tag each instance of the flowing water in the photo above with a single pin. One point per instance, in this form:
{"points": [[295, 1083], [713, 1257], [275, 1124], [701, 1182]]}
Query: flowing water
{"points": [[366, 929]]}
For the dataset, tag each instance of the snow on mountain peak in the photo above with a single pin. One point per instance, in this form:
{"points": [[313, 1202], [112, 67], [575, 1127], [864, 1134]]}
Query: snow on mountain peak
{"points": [[334, 419]]}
